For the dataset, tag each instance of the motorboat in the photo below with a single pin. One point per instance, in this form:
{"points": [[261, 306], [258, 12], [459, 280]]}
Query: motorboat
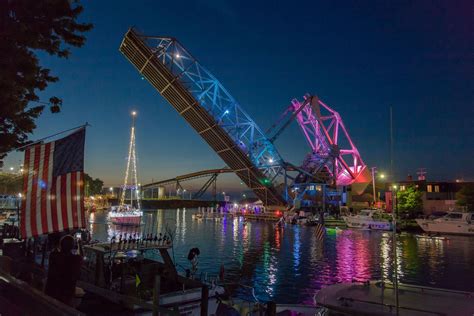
{"points": [[461, 223], [9, 217], [373, 219], [378, 298], [125, 215], [128, 272]]}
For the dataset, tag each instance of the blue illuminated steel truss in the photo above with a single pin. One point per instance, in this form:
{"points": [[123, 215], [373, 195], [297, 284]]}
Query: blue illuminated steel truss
{"points": [[218, 102], [208, 107]]}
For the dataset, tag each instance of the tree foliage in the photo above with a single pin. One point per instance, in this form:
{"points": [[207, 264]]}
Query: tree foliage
{"points": [[465, 197], [409, 202], [92, 186], [27, 27]]}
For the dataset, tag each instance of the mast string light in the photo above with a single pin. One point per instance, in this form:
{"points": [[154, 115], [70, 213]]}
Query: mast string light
{"points": [[132, 159]]}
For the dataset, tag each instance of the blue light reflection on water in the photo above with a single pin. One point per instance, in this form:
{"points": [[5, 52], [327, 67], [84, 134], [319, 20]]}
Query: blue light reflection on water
{"points": [[289, 265]]}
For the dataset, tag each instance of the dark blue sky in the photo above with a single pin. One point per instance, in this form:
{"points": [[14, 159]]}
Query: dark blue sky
{"points": [[359, 57]]}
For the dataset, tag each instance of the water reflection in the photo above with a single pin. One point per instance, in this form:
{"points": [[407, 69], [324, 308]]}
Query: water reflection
{"points": [[290, 264]]}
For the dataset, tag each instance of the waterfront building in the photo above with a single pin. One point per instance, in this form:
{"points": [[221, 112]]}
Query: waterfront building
{"points": [[437, 196]]}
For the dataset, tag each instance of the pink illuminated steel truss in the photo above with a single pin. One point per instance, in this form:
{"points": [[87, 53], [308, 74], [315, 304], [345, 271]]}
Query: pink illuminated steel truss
{"points": [[333, 152]]}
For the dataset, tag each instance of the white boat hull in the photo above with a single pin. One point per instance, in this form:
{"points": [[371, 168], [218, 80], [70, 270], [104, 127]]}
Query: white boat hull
{"points": [[129, 218], [446, 227], [353, 222]]}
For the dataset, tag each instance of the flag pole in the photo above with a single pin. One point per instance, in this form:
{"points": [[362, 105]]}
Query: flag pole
{"points": [[50, 136]]}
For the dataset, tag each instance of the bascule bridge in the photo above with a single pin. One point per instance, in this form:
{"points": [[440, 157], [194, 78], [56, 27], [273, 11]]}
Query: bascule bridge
{"points": [[248, 151]]}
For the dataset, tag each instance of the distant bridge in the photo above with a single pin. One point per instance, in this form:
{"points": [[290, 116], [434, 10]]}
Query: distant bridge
{"points": [[149, 189]]}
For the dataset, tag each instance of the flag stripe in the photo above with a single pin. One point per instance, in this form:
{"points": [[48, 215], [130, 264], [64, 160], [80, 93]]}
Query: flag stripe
{"points": [[25, 190], [36, 225], [78, 198], [44, 188], [73, 200], [70, 222], [58, 204], [81, 194], [320, 231], [64, 201], [49, 179]]}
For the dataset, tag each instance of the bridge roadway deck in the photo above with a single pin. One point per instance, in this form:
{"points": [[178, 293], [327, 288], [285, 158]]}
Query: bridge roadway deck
{"points": [[134, 48]]}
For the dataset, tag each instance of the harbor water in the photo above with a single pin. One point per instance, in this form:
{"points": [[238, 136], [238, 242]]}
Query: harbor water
{"points": [[289, 265]]}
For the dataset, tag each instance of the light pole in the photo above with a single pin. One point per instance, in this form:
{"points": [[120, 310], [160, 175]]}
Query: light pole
{"points": [[374, 171], [394, 241], [184, 191]]}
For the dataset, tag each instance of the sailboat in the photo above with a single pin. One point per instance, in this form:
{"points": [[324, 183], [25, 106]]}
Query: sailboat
{"points": [[129, 214]]}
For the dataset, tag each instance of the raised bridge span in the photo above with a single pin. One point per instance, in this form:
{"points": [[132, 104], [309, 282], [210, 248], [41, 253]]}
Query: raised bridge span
{"points": [[217, 117]]}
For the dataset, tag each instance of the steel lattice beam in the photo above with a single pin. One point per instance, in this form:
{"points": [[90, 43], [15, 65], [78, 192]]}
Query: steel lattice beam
{"points": [[333, 151], [209, 108]]}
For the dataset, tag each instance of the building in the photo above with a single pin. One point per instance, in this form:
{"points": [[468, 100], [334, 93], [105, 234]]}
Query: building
{"points": [[437, 196]]}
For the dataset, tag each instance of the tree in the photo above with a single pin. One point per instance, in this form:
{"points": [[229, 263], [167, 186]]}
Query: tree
{"points": [[93, 186], [27, 27], [465, 197], [409, 202]]}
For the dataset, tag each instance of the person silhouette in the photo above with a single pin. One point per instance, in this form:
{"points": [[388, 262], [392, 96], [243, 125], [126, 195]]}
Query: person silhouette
{"points": [[63, 271]]}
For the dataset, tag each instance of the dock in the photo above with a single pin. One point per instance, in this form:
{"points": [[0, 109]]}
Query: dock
{"points": [[268, 217]]}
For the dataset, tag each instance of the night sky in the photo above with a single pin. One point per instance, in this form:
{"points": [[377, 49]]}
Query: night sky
{"points": [[359, 57]]}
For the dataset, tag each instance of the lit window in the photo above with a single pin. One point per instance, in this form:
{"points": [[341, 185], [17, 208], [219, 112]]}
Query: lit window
{"points": [[429, 188], [436, 188], [402, 188]]}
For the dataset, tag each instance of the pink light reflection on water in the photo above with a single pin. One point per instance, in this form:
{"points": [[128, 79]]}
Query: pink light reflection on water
{"points": [[353, 257]]}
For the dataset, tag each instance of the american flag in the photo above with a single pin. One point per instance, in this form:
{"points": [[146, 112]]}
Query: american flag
{"points": [[53, 186], [320, 231]]}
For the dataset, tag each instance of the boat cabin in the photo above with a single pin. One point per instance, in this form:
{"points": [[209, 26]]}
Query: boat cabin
{"points": [[457, 217], [108, 268]]}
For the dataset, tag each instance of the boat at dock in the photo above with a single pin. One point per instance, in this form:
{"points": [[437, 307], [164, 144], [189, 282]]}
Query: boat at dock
{"points": [[373, 219], [458, 223], [122, 272], [378, 298], [8, 217]]}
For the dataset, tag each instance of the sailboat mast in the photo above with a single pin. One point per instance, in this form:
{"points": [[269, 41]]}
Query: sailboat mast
{"points": [[127, 170]]}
